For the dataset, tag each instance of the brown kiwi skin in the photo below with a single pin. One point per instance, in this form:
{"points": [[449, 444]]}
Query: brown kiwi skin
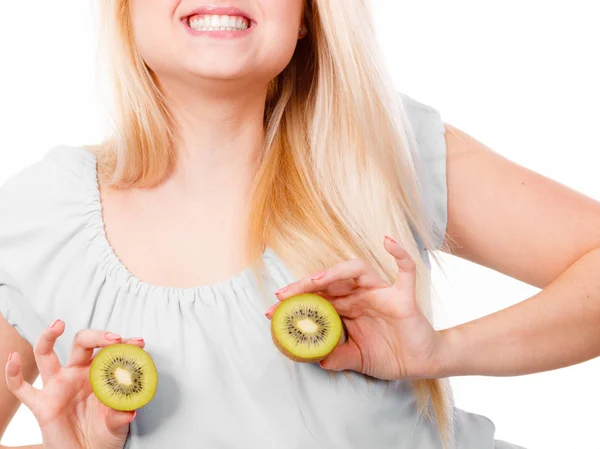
{"points": [[291, 356]]}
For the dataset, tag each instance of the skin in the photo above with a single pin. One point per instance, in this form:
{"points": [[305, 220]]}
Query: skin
{"points": [[217, 91], [554, 245]]}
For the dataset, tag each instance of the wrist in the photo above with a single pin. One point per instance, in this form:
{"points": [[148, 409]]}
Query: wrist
{"points": [[452, 352]]}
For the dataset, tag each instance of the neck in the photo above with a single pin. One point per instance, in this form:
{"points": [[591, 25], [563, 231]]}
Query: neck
{"points": [[221, 135]]}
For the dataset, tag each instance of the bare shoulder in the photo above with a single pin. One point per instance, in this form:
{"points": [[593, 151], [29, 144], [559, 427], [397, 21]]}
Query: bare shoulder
{"points": [[512, 219]]}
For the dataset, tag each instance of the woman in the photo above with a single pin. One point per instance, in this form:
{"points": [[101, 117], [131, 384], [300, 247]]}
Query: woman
{"points": [[260, 152]]}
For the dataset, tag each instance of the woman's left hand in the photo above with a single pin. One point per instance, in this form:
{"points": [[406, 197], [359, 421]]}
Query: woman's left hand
{"points": [[388, 336]]}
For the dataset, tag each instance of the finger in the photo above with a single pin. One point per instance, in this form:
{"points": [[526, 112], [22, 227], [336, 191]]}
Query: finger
{"points": [[341, 288], [23, 390], [357, 270], [352, 306], [407, 269], [137, 341], [344, 357], [117, 422], [344, 337], [43, 351], [86, 341], [271, 310]]}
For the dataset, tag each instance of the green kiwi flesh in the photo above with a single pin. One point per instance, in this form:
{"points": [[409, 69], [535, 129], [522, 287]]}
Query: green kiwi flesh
{"points": [[123, 377], [306, 328]]}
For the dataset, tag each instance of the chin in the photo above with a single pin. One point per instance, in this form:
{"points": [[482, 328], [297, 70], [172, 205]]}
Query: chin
{"points": [[225, 71], [229, 72], [225, 74], [216, 67]]}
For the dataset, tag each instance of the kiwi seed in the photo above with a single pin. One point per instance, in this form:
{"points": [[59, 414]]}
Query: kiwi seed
{"points": [[306, 328], [123, 377]]}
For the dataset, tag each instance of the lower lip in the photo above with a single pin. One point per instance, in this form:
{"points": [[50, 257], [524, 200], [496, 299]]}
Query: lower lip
{"points": [[221, 34]]}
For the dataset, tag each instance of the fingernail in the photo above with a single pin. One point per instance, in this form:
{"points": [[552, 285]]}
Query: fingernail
{"points": [[132, 416], [137, 339], [316, 277], [10, 354], [282, 289], [390, 239], [271, 309], [54, 323], [111, 336]]}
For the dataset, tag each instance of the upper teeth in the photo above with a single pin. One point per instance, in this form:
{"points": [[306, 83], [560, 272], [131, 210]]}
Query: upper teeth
{"points": [[215, 22]]}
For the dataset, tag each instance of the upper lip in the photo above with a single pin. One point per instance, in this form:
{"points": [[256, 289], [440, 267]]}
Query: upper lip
{"points": [[219, 10]]}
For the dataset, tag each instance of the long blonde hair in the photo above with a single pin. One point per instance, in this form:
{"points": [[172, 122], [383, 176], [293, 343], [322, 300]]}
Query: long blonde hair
{"points": [[337, 173]]}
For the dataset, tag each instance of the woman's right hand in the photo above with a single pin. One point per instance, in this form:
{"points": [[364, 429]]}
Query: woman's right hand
{"points": [[68, 413]]}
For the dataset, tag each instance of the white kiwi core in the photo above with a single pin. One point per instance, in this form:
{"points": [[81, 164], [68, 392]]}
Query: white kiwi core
{"points": [[307, 325], [123, 376]]}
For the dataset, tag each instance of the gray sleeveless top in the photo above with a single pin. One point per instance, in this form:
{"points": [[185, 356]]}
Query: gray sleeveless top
{"points": [[222, 383]]}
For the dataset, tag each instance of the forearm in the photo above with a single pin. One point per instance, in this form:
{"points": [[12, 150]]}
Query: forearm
{"points": [[558, 327]]}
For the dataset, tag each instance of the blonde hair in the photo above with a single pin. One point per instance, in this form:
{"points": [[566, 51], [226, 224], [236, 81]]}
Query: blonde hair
{"points": [[337, 172]]}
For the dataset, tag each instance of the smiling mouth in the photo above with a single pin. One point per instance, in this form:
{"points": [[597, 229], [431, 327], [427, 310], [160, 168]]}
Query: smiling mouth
{"points": [[218, 22]]}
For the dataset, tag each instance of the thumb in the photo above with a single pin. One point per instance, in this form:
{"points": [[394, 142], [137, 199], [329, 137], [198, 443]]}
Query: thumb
{"points": [[344, 357], [117, 422], [407, 269]]}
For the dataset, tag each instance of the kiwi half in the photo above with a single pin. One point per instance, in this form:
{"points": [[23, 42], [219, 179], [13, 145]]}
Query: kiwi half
{"points": [[306, 328], [123, 377]]}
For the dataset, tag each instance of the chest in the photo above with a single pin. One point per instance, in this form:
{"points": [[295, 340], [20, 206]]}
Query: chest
{"points": [[177, 243]]}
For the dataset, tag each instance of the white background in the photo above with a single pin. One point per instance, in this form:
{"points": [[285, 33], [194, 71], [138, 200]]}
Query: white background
{"points": [[521, 76]]}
